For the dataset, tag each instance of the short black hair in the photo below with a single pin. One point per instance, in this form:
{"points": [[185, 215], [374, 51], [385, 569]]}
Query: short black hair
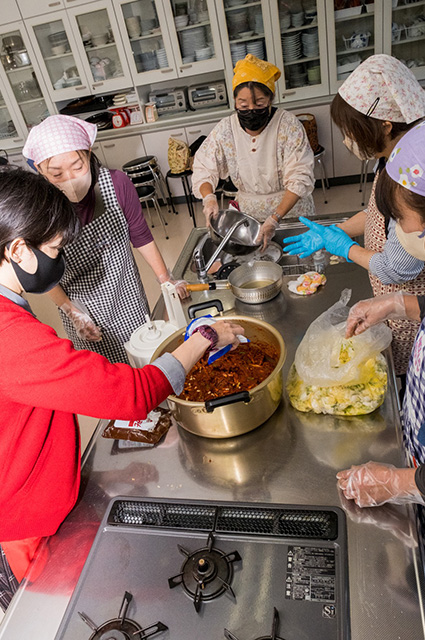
{"points": [[391, 196], [33, 209], [251, 85]]}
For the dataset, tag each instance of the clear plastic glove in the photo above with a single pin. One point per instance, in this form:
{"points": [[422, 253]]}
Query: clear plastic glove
{"points": [[367, 313], [210, 207], [266, 233], [180, 285], [83, 324], [304, 245], [373, 484], [336, 241], [228, 334]]}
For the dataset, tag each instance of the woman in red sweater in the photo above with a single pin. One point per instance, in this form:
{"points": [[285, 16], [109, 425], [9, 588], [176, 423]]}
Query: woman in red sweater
{"points": [[45, 381]]}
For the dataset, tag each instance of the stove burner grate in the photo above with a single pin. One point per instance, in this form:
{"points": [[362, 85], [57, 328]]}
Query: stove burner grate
{"points": [[122, 628], [273, 636], [206, 573]]}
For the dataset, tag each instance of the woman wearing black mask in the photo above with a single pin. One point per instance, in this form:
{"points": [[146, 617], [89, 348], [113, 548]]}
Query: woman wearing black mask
{"points": [[262, 149]]}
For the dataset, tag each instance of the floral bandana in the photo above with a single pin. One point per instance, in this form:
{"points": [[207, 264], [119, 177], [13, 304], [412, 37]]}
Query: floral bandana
{"points": [[406, 164], [384, 88], [56, 135]]}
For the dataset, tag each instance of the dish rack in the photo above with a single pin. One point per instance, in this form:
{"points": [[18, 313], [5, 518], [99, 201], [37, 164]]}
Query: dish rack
{"points": [[349, 41]]}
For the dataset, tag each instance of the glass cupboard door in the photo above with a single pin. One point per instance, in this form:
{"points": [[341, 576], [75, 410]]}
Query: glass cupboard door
{"points": [[404, 28], [299, 33], [54, 42], [147, 44], [10, 135], [23, 75], [102, 52], [355, 33], [194, 36]]}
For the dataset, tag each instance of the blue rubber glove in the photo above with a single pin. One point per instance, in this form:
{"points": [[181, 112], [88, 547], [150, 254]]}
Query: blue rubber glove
{"points": [[336, 241], [303, 245]]}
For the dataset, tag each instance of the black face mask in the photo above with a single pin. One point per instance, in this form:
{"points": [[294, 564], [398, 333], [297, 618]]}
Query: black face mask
{"points": [[253, 119], [48, 274]]}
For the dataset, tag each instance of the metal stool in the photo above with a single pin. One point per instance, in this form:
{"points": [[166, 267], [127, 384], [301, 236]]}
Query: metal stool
{"points": [[147, 193], [363, 179], [318, 157], [134, 168], [184, 177], [228, 190]]}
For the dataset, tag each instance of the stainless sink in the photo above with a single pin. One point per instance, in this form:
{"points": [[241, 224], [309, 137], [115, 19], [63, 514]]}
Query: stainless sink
{"points": [[291, 265]]}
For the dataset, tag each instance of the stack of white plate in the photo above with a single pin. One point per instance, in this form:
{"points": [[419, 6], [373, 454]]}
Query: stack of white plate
{"points": [[237, 21], [119, 99], [313, 74], [181, 21], [310, 40], [284, 20], [297, 19], [161, 56], [291, 47], [203, 54], [256, 47], [193, 39], [238, 52]]}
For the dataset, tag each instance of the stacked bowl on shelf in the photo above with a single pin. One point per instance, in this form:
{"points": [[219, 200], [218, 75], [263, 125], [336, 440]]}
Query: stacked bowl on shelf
{"points": [[161, 56], [237, 22], [256, 48], [310, 42], [193, 40], [58, 42], [238, 51]]}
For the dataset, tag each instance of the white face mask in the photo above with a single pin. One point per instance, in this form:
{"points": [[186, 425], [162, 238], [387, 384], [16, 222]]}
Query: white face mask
{"points": [[353, 147], [76, 188], [413, 242]]}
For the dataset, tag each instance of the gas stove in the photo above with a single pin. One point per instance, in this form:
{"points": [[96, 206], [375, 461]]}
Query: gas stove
{"points": [[180, 570]]}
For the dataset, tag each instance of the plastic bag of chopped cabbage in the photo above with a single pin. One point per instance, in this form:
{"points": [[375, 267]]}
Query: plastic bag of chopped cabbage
{"points": [[325, 358]]}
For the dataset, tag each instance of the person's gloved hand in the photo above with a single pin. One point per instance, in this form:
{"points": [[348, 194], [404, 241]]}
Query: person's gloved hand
{"points": [[210, 207], [83, 324], [336, 241], [373, 484], [304, 245], [179, 284], [367, 313], [266, 233]]}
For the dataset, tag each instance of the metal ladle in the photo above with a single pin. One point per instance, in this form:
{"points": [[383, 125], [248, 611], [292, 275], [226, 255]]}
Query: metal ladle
{"points": [[201, 267]]}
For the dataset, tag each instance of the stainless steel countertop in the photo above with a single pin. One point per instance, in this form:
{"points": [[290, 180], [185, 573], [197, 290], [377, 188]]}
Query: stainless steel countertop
{"points": [[292, 458]]}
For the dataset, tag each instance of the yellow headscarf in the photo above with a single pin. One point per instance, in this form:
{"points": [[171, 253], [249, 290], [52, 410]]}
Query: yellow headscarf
{"points": [[252, 69]]}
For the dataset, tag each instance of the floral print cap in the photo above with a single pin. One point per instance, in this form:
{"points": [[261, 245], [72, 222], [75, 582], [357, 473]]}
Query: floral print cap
{"points": [[384, 88], [406, 163]]}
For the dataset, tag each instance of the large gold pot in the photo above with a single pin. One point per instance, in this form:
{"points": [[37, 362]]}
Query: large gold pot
{"points": [[238, 413]]}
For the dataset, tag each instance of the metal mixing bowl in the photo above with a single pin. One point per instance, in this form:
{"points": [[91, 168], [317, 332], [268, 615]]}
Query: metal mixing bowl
{"points": [[243, 238]]}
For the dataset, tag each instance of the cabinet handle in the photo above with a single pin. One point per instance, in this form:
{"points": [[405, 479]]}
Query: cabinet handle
{"points": [[194, 132], [17, 140], [185, 66], [53, 4], [70, 0], [166, 70], [176, 135], [290, 92], [109, 146], [100, 84], [80, 88]]}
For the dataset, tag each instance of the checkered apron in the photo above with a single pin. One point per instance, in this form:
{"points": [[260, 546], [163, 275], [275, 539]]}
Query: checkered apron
{"points": [[414, 401], [101, 272], [404, 331]]}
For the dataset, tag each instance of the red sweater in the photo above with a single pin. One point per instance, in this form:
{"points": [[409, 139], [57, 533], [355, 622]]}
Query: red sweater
{"points": [[44, 382]]}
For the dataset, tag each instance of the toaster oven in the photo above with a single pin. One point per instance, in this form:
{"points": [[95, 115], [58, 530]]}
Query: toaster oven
{"points": [[169, 100], [207, 95]]}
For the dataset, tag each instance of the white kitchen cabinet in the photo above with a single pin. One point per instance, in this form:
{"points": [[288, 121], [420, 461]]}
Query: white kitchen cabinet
{"points": [[144, 31], [353, 36], [197, 130], [194, 35], [57, 51], [20, 73], [121, 150], [98, 151], [404, 34], [101, 50], [9, 11], [12, 125], [345, 163], [18, 160], [75, 3], [300, 42], [30, 8], [156, 144]]}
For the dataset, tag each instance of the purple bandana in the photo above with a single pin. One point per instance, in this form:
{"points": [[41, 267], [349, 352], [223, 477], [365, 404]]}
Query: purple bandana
{"points": [[406, 164]]}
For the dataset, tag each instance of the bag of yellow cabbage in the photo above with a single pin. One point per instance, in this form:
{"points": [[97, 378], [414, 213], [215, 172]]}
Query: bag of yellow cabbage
{"points": [[335, 375]]}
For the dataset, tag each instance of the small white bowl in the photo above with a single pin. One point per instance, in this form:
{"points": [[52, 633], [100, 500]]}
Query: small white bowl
{"points": [[101, 38]]}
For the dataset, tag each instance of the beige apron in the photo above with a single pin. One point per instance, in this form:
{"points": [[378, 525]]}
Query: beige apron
{"points": [[404, 331]]}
